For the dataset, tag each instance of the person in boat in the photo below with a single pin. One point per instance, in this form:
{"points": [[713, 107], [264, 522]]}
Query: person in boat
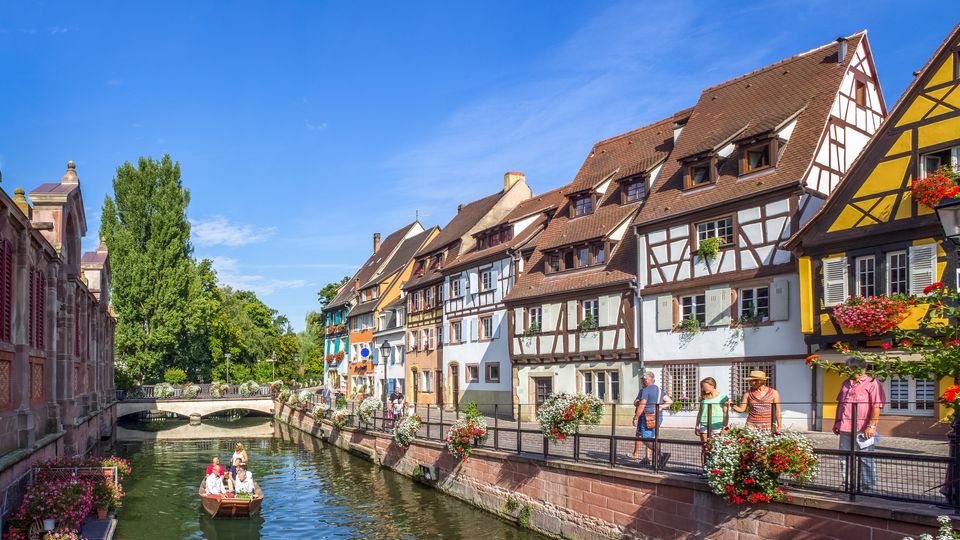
{"points": [[234, 469], [215, 483], [243, 482], [240, 453], [215, 466]]}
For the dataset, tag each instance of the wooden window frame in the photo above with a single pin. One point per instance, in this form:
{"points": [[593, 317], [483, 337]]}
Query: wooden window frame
{"points": [[860, 93], [575, 199], [488, 271], [594, 377], [857, 285], [888, 271], [768, 147], [548, 263], [481, 332], [953, 149], [471, 378], [490, 378], [716, 229], [755, 289], [689, 386], [594, 309], [697, 306], [530, 318], [627, 184], [710, 163], [456, 336]]}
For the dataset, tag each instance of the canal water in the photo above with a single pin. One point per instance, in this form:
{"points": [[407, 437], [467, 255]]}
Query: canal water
{"points": [[312, 490]]}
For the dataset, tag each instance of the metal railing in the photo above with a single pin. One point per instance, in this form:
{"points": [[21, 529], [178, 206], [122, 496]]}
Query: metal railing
{"points": [[901, 474]]}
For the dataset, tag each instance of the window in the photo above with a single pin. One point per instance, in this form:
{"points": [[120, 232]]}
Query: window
{"points": [[473, 373], [456, 332], [698, 174], [860, 93], [591, 309], [599, 255], [493, 372], [682, 382], [741, 370], [425, 340], [568, 259], [455, 291], [426, 381], [865, 276], [695, 307], [486, 327], [535, 317], [438, 335], [719, 228], [755, 303], [553, 263], [486, 280], [635, 191], [603, 385], [583, 257], [909, 396], [756, 158], [934, 160], [897, 272], [418, 268], [428, 297], [583, 206]]}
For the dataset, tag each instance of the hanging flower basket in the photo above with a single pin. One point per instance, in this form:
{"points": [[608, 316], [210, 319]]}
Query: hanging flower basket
{"points": [[709, 248], [936, 186], [339, 356], [745, 465], [464, 435], [320, 410], [874, 315], [406, 431], [561, 414], [219, 389], [340, 418], [163, 391], [368, 407]]}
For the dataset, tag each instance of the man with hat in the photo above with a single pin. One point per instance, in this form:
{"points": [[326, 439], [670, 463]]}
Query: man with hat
{"points": [[761, 403], [860, 422]]}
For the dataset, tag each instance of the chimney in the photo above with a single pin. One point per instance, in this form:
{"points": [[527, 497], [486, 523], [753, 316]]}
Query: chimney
{"points": [[841, 49], [511, 178], [356, 285], [376, 242], [459, 207]]}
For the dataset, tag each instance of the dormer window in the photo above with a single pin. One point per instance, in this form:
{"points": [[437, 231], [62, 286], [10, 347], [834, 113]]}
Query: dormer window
{"points": [[701, 173], [633, 190], [576, 257], [435, 263], [582, 206], [758, 156], [553, 263], [419, 267]]}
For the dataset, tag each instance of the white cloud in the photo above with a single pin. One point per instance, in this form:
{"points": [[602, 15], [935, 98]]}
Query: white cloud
{"points": [[315, 127], [230, 274], [113, 82], [58, 30], [218, 231]]}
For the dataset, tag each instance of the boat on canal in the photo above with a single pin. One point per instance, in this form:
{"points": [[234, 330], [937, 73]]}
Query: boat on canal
{"points": [[220, 506]]}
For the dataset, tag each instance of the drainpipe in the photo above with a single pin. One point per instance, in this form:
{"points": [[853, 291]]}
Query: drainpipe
{"points": [[638, 299]]}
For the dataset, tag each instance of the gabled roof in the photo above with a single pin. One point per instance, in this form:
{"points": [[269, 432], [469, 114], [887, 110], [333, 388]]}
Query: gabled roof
{"points": [[367, 270], [802, 87], [400, 258], [875, 192]]}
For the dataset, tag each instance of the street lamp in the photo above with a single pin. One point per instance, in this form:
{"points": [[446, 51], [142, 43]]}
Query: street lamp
{"points": [[227, 356], [384, 355], [948, 213], [296, 356], [273, 366]]}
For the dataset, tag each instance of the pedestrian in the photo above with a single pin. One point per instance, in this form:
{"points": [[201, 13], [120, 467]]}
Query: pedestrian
{"points": [[714, 414], [761, 403], [867, 393], [648, 417]]}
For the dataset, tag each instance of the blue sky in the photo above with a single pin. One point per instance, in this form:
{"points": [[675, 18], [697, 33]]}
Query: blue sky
{"points": [[304, 127]]}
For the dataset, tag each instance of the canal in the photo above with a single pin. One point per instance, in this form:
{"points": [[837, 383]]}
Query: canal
{"points": [[312, 490]]}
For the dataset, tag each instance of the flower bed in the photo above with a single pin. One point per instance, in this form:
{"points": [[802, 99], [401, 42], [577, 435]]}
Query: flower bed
{"points": [[464, 435], [746, 465], [561, 414], [367, 409], [406, 430], [340, 418], [938, 185], [874, 315]]}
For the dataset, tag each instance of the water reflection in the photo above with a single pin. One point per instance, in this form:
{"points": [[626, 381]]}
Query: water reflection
{"points": [[312, 490]]}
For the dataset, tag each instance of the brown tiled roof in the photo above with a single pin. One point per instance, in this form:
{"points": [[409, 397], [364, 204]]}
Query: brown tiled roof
{"points": [[541, 204], [362, 308], [802, 86], [400, 258], [366, 271]]}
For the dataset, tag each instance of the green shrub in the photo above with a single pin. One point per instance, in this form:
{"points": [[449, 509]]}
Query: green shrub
{"points": [[174, 376]]}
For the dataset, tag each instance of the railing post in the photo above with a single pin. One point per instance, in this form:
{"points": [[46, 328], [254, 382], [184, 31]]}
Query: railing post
{"points": [[496, 428], [576, 444], [613, 435], [656, 438], [428, 420], [853, 466], [519, 435]]}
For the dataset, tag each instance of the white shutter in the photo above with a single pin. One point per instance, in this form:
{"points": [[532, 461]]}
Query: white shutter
{"points": [[923, 267], [718, 306], [473, 283], [664, 313], [572, 306], [473, 329], [497, 321], [495, 276], [834, 281], [518, 322], [602, 312], [780, 300]]}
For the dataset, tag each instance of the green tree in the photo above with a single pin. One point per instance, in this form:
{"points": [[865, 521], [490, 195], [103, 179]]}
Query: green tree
{"points": [[146, 229], [329, 291]]}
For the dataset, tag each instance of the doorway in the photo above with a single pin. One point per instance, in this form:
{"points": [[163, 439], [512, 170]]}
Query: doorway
{"points": [[439, 384], [543, 389]]}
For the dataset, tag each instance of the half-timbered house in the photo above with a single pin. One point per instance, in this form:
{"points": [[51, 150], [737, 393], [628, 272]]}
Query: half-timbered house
{"points": [[753, 160], [573, 312], [871, 238], [425, 288], [476, 356]]}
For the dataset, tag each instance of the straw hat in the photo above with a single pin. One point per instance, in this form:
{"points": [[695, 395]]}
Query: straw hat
{"points": [[757, 375]]}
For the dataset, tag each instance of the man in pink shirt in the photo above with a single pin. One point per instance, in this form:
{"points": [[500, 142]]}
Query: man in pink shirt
{"points": [[869, 397]]}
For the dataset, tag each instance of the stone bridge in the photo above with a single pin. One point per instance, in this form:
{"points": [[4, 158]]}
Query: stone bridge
{"points": [[195, 408], [263, 430]]}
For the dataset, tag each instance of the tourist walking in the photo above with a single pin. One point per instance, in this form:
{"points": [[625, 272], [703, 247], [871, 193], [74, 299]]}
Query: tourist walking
{"points": [[761, 403], [714, 416], [648, 417], [860, 427]]}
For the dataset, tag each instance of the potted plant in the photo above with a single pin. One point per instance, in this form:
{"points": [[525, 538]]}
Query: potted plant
{"points": [[689, 325], [532, 330], [874, 315], [219, 389], [320, 409], [406, 430], [191, 391], [340, 417], [679, 404], [751, 318], [561, 415], [709, 248], [249, 388], [303, 399], [936, 186], [367, 408], [588, 325], [102, 498], [163, 391]]}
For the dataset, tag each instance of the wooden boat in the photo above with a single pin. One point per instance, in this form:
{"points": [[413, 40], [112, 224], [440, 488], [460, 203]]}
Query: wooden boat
{"points": [[230, 506]]}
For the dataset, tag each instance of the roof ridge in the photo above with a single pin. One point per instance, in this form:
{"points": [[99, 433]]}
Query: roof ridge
{"points": [[781, 62], [641, 128]]}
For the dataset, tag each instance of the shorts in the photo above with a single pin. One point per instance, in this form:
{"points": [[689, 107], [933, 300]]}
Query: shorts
{"points": [[643, 431]]}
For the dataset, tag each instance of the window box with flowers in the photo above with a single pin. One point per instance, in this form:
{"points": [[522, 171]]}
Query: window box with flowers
{"points": [[689, 326], [936, 186], [588, 325], [709, 248], [339, 356], [874, 315]]}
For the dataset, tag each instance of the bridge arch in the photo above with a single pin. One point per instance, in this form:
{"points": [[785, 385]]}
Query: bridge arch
{"points": [[194, 407]]}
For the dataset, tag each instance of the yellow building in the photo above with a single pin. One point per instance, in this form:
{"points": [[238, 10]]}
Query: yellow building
{"points": [[870, 238]]}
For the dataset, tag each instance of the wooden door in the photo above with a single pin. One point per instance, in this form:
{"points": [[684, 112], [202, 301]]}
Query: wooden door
{"points": [[455, 377], [544, 387], [415, 380], [438, 376]]}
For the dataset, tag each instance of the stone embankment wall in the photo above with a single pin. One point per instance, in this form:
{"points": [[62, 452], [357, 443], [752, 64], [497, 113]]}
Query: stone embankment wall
{"points": [[572, 500]]}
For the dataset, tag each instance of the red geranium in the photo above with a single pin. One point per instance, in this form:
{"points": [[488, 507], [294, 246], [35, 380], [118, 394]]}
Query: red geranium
{"points": [[935, 286], [874, 315], [949, 397], [938, 185]]}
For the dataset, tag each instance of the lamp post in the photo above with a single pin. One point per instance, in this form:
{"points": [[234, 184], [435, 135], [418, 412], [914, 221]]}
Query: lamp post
{"points": [[273, 366], [384, 355], [948, 213], [227, 356], [296, 357]]}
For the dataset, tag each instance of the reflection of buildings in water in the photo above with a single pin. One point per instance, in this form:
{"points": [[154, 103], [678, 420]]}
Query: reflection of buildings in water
{"points": [[230, 529], [248, 428]]}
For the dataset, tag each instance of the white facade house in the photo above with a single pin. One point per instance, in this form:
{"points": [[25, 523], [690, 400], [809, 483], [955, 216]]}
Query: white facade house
{"points": [[391, 330]]}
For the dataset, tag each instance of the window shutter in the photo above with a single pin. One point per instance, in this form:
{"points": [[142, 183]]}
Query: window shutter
{"points": [[780, 300], [42, 296], [923, 267], [497, 320], [602, 312], [572, 319], [446, 289], [473, 283], [664, 313], [518, 315], [7, 291], [473, 329], [495, 277], [30, 311], [834, 281], [718, 306]]}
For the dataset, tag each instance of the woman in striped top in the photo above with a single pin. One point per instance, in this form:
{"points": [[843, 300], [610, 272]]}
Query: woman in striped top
{"points": [[761, 403]]}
